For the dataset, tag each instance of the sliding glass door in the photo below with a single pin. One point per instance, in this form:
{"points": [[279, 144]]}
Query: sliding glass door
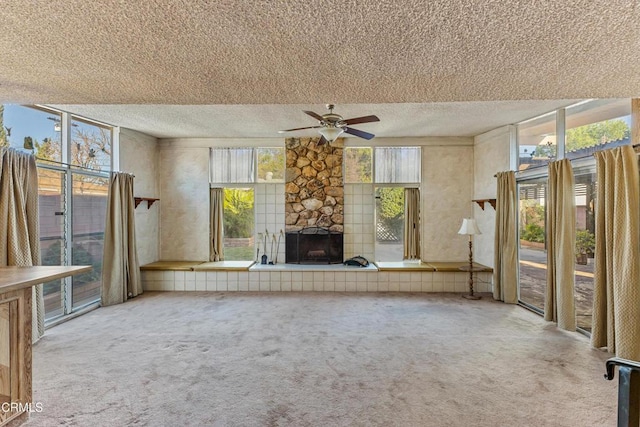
{"points": [[51, 198], [585, 191], [389, 217], [74, 157], [532, 251], [89, 201]]}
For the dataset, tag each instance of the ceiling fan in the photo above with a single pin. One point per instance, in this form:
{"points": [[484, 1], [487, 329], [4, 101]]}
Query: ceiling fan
{"points": [[332, 125]]}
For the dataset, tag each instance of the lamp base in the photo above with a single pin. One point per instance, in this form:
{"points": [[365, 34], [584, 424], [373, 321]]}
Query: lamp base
{"points": [[473, 297]]}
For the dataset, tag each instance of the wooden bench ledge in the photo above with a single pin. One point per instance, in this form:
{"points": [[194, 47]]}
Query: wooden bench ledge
{"points": [[456, 266], [170, 265], [437, 266], [404, 266]]}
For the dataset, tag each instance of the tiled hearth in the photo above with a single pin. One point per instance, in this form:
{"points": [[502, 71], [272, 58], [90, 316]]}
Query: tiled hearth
{"points": [[338, 278]]}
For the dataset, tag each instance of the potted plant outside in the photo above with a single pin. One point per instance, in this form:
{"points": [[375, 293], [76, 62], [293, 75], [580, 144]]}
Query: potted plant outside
{"points": [[585, 244]]}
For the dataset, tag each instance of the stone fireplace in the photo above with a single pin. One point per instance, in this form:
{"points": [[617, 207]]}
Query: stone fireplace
{"points": [[314, 201]]}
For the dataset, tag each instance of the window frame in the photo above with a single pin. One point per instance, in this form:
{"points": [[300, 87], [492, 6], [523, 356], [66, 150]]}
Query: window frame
{"points": [[68, 172], [580, 165], [252, 188], [255, 179]]}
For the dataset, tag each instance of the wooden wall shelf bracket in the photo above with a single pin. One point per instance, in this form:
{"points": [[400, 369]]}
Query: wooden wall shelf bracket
{"points": [[481, 202], [149, 201]]}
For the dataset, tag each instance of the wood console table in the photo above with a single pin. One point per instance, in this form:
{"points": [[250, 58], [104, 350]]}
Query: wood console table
{"points": [[15, 335]]}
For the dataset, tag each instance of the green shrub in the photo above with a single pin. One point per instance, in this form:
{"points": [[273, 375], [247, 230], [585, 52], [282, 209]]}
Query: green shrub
{"points": [[585, 242], [238, 212], [532, 233]]}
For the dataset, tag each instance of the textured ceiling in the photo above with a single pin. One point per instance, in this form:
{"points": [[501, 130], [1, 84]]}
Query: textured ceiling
{"points": [[260, 121], [313, 52]]}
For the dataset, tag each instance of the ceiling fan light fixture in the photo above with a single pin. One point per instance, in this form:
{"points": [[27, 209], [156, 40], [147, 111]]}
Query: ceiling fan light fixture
{"points": [[330, 133]]}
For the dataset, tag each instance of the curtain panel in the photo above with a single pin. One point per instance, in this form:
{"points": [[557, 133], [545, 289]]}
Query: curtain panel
{"points": [[505, 266], [216, 229], [559, 304], [616, 297], [411, 223], [19, 221], [120, 267]]}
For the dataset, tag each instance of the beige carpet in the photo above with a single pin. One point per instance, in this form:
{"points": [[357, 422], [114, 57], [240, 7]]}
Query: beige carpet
{"points": [[318, 359]]}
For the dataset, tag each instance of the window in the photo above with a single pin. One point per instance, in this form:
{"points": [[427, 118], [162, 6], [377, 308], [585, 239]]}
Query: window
{"points": [[231, 165], [389, 218], [589, 126], [73, 178], [270, 164], [358, 164], [533, 252], [537, 142], [90, 145], [231, 169], [31, 128], [52, 205], [585, 192], [89, 201], [246, 165], [238, 224], [397, 165], [597, 125], [394, 168]]}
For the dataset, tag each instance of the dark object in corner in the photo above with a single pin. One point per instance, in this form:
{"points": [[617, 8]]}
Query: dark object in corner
{"points": [[628, 389], [357, 261]]}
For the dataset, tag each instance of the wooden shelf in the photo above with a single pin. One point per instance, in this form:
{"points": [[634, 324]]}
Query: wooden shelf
{"points": [[149, 201], [481, 202]]}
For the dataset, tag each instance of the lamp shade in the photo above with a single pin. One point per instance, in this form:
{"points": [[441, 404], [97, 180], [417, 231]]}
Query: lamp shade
{"points": [[330, 133], [469, 227]]}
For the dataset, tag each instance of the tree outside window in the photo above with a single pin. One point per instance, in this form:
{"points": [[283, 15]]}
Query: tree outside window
{"points": [[238, 224]]}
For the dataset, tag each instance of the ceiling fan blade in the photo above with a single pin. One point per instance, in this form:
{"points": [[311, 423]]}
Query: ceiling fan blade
{"points": [[316, 116], [364, 119], [356, 132], [322, 141], [291, 130]]}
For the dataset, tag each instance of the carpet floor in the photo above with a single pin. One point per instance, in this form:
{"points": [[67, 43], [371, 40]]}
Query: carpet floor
{"points": [[317, 359]]}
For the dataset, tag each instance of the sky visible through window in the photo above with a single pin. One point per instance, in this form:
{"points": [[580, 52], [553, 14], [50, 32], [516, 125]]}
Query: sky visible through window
{"points": [[90, 143], [25, 121]]}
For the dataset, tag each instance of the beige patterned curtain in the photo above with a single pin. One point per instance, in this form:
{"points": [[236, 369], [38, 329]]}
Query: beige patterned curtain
{"points": [[216, 230], [616, 298], [505, 265], [19, 223], [120, 267], [411, 223], [559, 305]]}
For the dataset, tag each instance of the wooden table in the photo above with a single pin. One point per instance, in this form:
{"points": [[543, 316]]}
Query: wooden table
{"points": [[15, 335]]}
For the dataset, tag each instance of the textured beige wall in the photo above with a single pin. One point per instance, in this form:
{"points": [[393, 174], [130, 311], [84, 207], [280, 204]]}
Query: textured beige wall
{"points": [[184, 198], [139, 155], [447, 190], [446, 194], [491, 156], [184, 189]]}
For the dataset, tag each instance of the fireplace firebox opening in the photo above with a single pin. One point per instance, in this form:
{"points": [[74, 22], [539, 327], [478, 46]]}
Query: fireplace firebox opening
{"points": [[314, 245]]}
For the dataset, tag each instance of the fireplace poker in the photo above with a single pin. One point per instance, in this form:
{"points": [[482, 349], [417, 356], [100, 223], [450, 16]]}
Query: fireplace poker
{"points": [[278, 246], [258, 250], [273, 240]]}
